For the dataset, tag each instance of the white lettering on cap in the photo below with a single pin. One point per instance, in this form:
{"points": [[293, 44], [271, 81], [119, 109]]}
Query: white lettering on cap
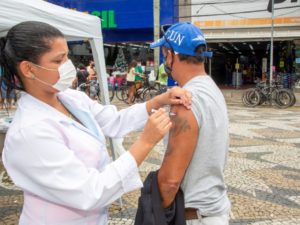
{"points": [[175, 37], [172, 36], [179, 39]]}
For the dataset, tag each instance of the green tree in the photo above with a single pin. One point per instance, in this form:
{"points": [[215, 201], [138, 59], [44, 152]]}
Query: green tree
{"points": [[120, 63]]}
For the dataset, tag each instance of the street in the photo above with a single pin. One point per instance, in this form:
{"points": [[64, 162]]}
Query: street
{"points": [[262, 173]]}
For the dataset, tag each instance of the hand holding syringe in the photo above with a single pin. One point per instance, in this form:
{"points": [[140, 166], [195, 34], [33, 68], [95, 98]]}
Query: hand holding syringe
{"points": [[170, 113]]}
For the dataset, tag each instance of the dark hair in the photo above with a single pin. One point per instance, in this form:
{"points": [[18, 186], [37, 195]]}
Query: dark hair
{"points": [[132, 64], [24, 41], [81, 66], [194, 59], [92, 64]]}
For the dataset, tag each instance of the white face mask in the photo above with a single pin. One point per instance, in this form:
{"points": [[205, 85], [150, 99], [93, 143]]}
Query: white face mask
{"points": [[67, 73]]}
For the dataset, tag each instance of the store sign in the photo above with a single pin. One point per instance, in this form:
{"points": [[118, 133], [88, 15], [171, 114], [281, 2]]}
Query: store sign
{"points": [[108, 18], [244, 14], [120, 14], [276, 2]]}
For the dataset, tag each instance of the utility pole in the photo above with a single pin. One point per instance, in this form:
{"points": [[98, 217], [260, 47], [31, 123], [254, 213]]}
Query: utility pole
{"points": [[271, 47], [156, 32]]}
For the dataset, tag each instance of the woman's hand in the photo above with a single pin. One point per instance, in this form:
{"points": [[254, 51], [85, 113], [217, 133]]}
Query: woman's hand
{"points": [[157, 126], [176, 96], [173, 96]]}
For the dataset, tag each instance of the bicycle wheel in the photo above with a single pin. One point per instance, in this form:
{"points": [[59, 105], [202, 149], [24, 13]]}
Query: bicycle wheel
{"points": [[124, 93], [293, 102], [150, 93], [118, 91], [251, 98], [139, 95], [254, 98], [244, 96], [284, 99]]}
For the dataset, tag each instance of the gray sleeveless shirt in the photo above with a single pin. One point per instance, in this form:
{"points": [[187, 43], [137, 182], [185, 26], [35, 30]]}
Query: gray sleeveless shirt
{"points": [[203, 184]]}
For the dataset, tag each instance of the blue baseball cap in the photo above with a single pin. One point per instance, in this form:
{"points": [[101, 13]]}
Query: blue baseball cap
{"points": [[184, 38]]}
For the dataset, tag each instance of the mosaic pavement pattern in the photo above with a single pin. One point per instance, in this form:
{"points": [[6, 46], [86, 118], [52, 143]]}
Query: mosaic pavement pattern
{"points": [[262, 174]]}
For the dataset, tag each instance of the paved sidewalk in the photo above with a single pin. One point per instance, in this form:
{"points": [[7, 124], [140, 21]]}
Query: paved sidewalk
{"points": [[262, 175]]}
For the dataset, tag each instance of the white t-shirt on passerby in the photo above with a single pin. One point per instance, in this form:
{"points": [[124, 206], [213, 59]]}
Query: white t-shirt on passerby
{"points": [[131, 75]]}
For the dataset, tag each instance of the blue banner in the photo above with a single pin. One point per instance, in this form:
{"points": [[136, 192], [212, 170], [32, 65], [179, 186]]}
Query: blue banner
{"points": [[119, 14], [124, 20]]}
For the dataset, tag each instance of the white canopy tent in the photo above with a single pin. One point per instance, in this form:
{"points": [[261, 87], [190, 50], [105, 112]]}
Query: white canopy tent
{"points": [[74, 25]]}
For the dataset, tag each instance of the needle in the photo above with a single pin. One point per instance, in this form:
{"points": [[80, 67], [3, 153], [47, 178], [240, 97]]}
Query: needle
{"points": [[170, 113]]}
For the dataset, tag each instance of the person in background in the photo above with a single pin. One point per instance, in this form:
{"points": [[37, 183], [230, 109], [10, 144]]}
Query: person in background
{"points": [[198, 140], [7, 97], [93, 82], [143, 66], [162, 77], [92, 71], [81, 75], [55, 148], [139, 75], [80, 82], [130, 78], [7, 93], [228, 72]]}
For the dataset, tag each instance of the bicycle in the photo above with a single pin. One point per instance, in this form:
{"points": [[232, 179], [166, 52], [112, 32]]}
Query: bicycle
{"points": [[91, 88], [273, 94], [151, 93], [122, 90]]}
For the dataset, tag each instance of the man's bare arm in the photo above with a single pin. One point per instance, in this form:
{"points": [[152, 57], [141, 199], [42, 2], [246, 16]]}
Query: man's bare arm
{"points": [[182, 143]]}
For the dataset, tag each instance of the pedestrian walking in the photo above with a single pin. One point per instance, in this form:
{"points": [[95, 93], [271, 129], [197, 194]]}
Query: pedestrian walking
{"points": [[162, 77], [130, 78], [139, 75]]}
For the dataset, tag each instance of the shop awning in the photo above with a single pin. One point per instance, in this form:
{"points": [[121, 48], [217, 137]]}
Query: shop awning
{"points": [[258, 34]]}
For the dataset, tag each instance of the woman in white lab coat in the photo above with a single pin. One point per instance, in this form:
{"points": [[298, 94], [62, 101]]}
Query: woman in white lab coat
{"points": [[55, 148]]}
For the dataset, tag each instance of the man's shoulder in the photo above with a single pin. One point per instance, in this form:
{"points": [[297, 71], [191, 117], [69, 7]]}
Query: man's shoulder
{"points": [[202, 83], [180, 112]]}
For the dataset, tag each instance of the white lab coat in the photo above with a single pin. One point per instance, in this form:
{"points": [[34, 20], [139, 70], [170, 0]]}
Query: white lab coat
{"points": [[64, 168]]}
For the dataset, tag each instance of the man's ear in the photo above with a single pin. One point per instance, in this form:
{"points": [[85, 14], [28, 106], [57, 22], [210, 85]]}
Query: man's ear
{"points": [[26, 69], [170, 56]]}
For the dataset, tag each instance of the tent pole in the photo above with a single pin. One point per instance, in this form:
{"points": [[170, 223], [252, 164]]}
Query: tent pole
{"points": [[156, 32], [271, 47], [98, 55]]}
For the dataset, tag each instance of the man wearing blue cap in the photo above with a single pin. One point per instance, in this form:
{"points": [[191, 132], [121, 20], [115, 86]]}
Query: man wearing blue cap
{"points": [[198, 141]]}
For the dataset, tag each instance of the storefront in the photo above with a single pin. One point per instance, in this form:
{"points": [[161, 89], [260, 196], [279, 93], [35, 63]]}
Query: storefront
{"points": [[126, 25], [239, 33]]}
